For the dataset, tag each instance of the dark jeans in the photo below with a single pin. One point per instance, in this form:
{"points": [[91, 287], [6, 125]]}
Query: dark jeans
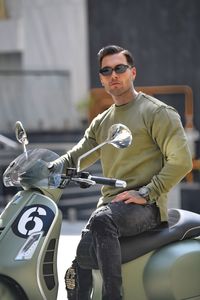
{"points": [[106, 225]]}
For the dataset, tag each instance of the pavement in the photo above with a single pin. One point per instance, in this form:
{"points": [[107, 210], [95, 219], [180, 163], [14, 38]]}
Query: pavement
{"points": [[70, 236]]}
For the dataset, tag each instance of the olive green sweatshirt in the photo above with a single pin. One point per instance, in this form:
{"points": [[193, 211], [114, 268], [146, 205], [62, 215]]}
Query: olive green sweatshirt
{"points": [[158, 157]]}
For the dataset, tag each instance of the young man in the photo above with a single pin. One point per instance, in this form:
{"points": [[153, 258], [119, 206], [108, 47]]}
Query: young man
{"points": [[156, 161]]}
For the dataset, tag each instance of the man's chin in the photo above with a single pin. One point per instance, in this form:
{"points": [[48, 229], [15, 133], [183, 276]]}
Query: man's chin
{"points": [[115, 92]]}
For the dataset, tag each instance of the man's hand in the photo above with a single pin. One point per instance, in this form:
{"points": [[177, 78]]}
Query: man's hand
{"points": [[131, 196], [57, 164]]}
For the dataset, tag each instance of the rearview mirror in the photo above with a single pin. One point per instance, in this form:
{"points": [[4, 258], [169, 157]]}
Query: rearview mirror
{"points": [[119, 136], [21, 135]]}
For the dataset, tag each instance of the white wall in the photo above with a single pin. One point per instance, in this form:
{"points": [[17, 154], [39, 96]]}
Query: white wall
{"points": [[53, 36]]}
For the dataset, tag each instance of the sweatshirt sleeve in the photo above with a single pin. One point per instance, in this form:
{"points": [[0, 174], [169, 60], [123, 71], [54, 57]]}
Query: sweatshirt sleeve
{"points": [[168, 133], [87, 143]]}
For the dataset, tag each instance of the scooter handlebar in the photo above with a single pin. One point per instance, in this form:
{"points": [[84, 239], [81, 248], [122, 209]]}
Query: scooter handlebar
{"points": [[88, 179], [109, 181]]}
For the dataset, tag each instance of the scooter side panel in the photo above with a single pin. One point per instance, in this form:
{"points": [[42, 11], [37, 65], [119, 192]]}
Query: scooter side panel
{"points": [[169, 273], [32, 212], [173, 272]]}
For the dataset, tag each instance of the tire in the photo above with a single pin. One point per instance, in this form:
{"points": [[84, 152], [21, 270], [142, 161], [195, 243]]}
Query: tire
{"points": [[9, 290]]}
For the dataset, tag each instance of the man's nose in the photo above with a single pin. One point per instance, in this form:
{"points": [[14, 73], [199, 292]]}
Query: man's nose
{"points": [[114, 74]]}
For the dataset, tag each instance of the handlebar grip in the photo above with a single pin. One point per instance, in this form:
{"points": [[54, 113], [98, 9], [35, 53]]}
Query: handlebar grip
{"points": [[109, 181]]}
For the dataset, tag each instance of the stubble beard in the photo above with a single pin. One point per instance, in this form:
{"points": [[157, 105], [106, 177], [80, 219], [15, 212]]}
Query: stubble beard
{"points": [[119, 92]]}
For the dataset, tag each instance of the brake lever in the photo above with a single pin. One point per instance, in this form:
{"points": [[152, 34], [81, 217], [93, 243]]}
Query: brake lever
{"points": [[83, 180]]}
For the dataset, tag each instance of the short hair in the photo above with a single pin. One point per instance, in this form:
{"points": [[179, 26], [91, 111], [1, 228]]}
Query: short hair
{"points": [[114, 49]]}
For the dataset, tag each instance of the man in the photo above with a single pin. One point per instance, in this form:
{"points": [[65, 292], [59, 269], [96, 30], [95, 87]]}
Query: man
{"points": [[156, 161]]}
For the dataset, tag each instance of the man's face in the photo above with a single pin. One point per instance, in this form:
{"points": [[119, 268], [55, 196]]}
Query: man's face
{"points": [[117, 84]]}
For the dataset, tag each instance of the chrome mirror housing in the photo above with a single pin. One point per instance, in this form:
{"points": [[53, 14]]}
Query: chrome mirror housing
{"points": [[119, 136]]}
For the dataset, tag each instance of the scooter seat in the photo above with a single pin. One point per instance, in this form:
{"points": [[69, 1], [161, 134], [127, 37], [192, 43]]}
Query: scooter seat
{"points": [[181, 225]]}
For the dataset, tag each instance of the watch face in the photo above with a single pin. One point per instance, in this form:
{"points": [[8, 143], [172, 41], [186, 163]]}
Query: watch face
{"points": [[144, 192]]}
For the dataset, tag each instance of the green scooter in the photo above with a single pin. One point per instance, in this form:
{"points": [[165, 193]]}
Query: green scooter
{"points": [[158, 265]]}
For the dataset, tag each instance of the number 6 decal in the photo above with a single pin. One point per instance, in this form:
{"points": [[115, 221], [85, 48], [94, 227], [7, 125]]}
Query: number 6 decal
{"points": [[32, 219]]}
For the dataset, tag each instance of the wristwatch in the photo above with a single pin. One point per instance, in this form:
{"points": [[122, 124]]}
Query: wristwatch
{"points": [[144, 193]]}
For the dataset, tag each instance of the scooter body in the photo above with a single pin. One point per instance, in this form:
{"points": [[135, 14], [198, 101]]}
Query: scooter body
{"points": [[31, 222], [170, 273], [159, 265], [30, 230], [167, 267]]}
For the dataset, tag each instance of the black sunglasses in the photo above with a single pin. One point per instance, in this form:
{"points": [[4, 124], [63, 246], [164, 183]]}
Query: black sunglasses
{"points": [[119, 69]]}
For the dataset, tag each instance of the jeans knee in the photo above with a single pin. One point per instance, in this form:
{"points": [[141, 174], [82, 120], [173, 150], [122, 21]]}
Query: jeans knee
{"points": [[103, 224]]}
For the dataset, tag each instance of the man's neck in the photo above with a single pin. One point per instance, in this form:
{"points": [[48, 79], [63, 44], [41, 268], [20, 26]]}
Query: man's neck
{"points": [[125, 99]]}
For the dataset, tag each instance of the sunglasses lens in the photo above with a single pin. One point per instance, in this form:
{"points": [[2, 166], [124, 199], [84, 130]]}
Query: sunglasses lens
{"points": [[120, 69], [106, 71]]}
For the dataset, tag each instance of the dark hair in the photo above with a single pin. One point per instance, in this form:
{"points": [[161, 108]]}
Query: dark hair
{"points": [[113, 49]]}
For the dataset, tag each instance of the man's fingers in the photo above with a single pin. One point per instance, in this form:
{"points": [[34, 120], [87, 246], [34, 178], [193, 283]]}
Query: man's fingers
{"points": [[129, 197], [120, 197]]}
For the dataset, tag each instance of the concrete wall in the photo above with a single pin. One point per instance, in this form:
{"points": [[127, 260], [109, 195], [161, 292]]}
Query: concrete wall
{"points": [[44, 48]]}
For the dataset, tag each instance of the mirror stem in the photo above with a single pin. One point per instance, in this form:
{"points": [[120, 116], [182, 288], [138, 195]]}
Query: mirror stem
{"points": [[88, 153]]}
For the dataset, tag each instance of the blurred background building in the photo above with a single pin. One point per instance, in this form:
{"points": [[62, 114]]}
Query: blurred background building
{"points": [[49, 71], [43, 63]]}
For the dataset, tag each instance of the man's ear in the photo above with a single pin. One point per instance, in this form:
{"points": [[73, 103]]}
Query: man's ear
{"points": [[101, 80], [134, 72]]}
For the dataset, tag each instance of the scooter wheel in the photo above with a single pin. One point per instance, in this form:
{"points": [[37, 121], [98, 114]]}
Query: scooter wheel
{"points": [[10, 290]]}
